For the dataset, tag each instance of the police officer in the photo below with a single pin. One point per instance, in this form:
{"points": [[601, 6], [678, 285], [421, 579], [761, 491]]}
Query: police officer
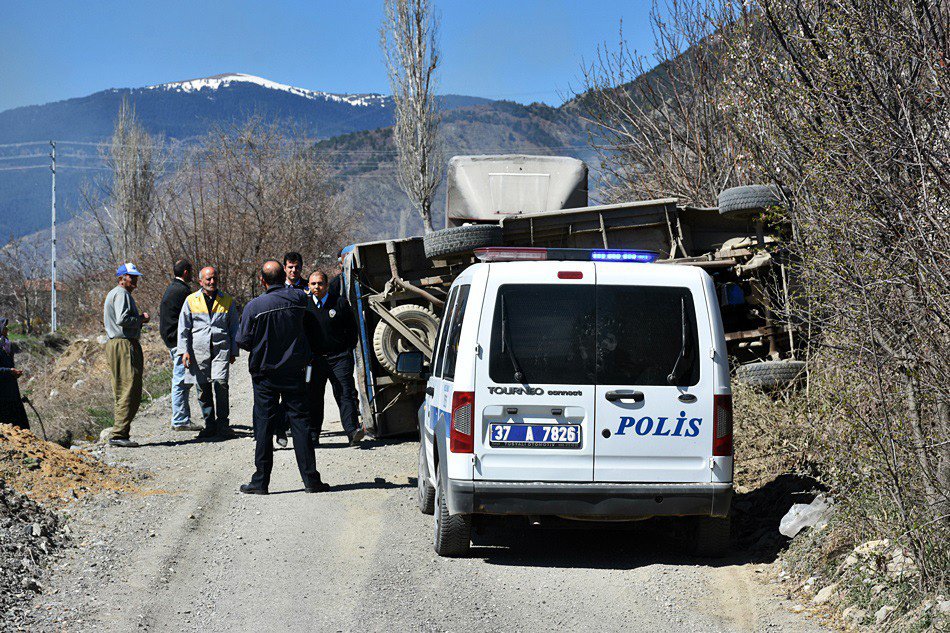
{"points": [[274, 329], [336, 338], [293, 271]]}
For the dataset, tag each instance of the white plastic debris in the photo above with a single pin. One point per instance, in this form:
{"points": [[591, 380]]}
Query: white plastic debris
{"points": [[801, 515]]}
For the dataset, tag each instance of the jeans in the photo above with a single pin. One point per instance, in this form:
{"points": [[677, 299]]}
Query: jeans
{"points": [[267, 392], [215, 408], [338, 370], [181, 408]]}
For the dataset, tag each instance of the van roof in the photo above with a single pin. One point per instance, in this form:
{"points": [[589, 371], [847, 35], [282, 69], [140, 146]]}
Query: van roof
{"points": [[672, 273]]}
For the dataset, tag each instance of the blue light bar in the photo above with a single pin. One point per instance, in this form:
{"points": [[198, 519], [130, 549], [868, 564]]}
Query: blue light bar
{"points": [[643, 257]]}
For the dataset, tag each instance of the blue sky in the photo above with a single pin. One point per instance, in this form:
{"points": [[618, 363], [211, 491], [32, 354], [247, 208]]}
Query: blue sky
{"points": [[522, 50]]}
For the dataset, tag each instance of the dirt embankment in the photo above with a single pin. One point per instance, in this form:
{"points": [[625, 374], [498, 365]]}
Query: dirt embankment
{"points": [[72, 392]]}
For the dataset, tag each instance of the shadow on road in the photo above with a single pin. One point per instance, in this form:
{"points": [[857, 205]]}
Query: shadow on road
{"points": [[667, 540]]}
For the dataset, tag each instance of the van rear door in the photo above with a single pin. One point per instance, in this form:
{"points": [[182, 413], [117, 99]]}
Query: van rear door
{"points": [[535, 373], [654, 400]]}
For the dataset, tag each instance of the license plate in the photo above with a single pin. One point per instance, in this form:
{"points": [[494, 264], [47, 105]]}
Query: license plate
{"points": [[534, 435]]}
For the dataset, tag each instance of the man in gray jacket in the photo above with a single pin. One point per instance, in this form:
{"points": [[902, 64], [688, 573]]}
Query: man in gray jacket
{"points": [[207, 341], [123, 325]]}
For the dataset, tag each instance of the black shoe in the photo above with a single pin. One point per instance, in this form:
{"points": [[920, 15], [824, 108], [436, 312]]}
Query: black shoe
{"points": [[226, 433], [207, 434], [282, 439], [248, 489], [320, 487], [358, 435]]}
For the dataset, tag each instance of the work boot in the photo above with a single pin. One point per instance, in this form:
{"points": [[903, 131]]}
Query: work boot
{"points": [[187, 427], [358, 435], [226, 433], [123, 442], [207, 433]]}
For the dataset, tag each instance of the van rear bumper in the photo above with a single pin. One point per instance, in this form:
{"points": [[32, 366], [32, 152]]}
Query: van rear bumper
{"points": [[613, 500]]}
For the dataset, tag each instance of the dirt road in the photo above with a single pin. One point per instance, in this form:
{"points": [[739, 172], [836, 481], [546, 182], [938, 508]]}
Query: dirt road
{"points": [[194, 554]]}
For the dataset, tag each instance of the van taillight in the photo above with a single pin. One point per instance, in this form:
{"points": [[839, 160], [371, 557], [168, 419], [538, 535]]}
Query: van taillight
{"points": [[461, 437], [722, 426]]}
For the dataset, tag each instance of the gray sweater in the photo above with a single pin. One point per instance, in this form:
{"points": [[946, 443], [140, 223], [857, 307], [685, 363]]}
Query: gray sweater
{"points": [[120, 315]]}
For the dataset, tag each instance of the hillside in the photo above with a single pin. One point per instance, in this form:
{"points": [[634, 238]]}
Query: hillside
{"points": [[178, 111]]}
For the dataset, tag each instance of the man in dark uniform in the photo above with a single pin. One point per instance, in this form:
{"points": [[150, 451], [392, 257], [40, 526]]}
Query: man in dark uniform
{"points": [[11, 402], [274, 330], [336, 338], [293, 271], [172, 301]]}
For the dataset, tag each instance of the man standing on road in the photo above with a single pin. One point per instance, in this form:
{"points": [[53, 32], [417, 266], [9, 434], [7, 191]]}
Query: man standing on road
{"points": [[336, 336], [293, 271], [123, 325], [274, 329], [174, 297], [207, 341]]}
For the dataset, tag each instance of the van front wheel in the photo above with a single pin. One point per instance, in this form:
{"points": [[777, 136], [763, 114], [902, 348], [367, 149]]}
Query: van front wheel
{"points": [[453, 532]]}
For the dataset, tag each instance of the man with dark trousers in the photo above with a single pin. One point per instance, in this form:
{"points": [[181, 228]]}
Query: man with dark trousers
{"points": [[172, 301], [275, 330], [333, 361], [293, 271]]}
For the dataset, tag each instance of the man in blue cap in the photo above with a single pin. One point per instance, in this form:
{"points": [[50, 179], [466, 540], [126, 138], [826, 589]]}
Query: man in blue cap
{"points": [[123, 324]]}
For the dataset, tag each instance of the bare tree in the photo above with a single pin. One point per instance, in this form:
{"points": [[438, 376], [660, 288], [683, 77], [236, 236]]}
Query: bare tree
{"points": [[23, 297], [656, 121], [845, 103], [124, 204], [246, 194], [408, 40]]}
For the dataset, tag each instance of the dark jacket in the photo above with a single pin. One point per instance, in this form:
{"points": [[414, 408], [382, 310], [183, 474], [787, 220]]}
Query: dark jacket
{"points": [[336, 327], [172, 300], [275, 329], [9, 389], [300, 284]]}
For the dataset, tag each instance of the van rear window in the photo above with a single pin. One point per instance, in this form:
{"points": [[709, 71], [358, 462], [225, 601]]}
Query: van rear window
{"points": [[584, 334], [548, 330]]}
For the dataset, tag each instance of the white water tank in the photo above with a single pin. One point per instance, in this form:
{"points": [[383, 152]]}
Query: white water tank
{"points": [[488, 188]]}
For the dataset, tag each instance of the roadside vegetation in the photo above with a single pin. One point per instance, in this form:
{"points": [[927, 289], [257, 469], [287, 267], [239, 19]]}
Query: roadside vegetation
{"points": [[843, 105]]}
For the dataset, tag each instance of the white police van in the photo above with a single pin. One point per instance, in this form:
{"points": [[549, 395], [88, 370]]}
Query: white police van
{"points": [[579, 384]]}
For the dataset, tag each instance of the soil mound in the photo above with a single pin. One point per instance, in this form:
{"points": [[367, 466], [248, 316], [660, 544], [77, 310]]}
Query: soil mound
{"points": [[51, 474]]}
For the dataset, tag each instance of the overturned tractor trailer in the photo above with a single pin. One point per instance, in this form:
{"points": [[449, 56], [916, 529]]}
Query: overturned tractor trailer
{"points": [[398, 287]]}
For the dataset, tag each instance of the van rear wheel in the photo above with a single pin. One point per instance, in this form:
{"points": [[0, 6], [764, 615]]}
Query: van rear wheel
{"points": [[453, 532], [711, 536], [425, 493]]}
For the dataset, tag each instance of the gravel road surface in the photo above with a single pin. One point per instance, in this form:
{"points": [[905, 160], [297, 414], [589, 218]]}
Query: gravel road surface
{"points": [[192, 554]]}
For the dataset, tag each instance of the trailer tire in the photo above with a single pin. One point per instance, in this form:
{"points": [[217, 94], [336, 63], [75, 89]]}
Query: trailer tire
{"points": [[461, 239], [388, 343], [770, 374], [711, 536], [745, 202], [425, 492], [453, 532]]}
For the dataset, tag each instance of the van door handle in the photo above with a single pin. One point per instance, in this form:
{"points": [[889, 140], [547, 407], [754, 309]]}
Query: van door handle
{"points": [[430, 391], [624, 394]]}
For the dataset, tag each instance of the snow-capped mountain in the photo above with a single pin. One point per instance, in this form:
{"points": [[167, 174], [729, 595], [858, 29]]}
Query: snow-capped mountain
{"points": [[207, 85], [179, 111]]}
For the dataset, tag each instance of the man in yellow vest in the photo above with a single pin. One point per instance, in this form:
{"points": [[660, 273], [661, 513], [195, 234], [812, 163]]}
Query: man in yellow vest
{"points": [[207, 333]]}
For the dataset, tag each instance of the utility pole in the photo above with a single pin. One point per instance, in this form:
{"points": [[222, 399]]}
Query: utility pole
{"points": [[52, 282]]}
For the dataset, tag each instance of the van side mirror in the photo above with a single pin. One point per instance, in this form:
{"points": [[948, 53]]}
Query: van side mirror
{"points": [[412, 364]]}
